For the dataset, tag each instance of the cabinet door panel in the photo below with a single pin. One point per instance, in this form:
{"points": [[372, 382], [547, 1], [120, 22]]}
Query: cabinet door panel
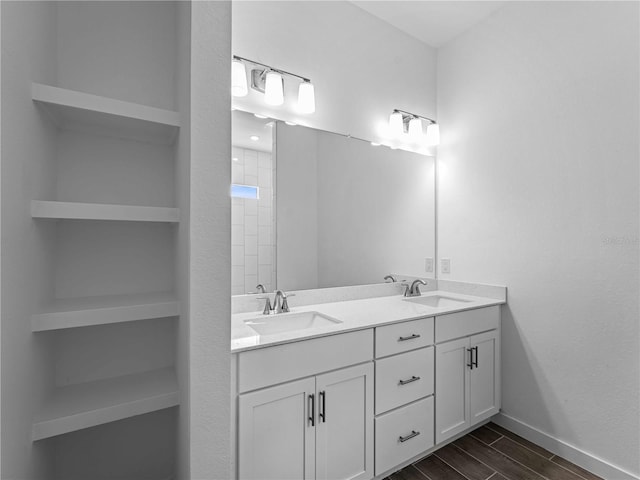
{"points": [[452, 388], [276, 439], [344, 432], [484, 379]]}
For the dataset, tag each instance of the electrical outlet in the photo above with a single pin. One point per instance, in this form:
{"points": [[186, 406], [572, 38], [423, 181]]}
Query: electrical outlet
{"points": [[428, 264], [445, 265]]}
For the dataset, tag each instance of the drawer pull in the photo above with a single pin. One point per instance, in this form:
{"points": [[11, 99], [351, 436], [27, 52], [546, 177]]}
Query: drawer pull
{"points": [[409, 437], [412, 379], [413, 336]]}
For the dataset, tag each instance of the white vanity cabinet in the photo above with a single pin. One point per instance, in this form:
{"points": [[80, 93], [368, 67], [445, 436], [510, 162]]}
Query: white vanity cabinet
{"points": [[317, 427], [404, 392], [467, 357]]}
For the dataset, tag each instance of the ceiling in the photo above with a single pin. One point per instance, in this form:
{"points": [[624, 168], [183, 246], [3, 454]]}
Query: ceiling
{"points": [[432, 22]]}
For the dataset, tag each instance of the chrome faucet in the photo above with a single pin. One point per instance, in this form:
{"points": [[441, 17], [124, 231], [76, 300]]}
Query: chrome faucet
{"points": [[280, 304], [260, 288], [390, 277], [414, 289]]}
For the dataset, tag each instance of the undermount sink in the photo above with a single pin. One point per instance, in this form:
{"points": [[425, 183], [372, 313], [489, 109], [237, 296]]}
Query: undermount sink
{"points": [[437, 301], [287, 322]]}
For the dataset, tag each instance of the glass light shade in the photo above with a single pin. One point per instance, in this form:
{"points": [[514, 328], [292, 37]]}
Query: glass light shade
{"points": [[415, 128], [274, 89], [433, 134], [306, 98], [239, 86], [396, 127]]}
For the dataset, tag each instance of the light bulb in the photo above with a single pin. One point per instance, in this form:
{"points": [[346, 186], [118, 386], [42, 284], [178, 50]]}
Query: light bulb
{"points": [[238, 79], [306, 98], [433, 135], [415, 128], [396, 124], [274, 89]]}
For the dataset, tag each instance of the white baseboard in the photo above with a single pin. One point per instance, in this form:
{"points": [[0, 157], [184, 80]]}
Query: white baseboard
{"points": [[575, 455]]}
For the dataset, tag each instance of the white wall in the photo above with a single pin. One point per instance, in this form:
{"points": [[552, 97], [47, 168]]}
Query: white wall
{"points": [[538, 178], [28, 163], [210, 243], [362, 68]]}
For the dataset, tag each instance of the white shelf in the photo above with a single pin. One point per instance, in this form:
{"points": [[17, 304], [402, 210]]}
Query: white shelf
{"points": [[89, 404], [89, 311], [101, 211], [85, 112]]}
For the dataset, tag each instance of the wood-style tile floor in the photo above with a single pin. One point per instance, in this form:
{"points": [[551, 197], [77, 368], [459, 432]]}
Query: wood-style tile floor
{"points": [[491, 452]]}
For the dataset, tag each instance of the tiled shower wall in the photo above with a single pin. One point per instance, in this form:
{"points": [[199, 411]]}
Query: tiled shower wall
{"points": [[252, 230]]}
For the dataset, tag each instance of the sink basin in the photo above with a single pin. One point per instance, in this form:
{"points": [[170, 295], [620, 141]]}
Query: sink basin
{"points": [[437, 301], [288, 322]]}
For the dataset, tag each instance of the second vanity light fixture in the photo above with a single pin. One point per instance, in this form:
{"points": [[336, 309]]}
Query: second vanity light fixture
{"points": [[270, 81], [401, 122]]}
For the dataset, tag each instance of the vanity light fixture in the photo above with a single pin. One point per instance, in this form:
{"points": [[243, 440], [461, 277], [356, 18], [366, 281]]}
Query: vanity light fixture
{"points": [[274, 89], [270, 81], [401, 122], [239, 86]]}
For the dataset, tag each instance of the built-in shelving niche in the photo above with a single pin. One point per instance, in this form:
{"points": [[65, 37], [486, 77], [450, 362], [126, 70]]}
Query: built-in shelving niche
{"points": [[96, 156], [107, 212]]}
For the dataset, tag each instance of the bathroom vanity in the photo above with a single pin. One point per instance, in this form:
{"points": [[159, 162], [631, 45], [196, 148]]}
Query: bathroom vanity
{"points": [[381, 382]]}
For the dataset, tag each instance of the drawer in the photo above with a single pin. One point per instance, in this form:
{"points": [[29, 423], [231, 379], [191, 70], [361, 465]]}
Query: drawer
{"points": [[401, 337], [271, 365], [462, 324], [414, 421], [404, 378]]}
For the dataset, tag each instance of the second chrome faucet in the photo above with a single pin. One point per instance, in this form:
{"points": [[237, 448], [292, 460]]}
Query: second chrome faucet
{"points": [[280, 303], [414, 289]]}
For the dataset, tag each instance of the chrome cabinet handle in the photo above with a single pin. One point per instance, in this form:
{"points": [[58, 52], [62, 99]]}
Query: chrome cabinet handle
{"points": [[312, 409], [410, 380], [413, 336], [470, 364], [475, 362], [409, 437], [322, 409]]}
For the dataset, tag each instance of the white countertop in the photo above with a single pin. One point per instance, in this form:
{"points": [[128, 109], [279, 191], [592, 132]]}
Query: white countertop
{"points": [[353, 314]]}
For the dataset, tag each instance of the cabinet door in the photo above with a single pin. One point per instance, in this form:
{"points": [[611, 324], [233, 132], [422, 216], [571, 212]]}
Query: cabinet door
{"points": [[484, 377], [275, 436], [452, 388], [344, 426]]}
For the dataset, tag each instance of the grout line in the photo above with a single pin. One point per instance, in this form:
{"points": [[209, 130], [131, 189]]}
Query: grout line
{"points": [[507, 456], [550, 459], [571, 471], [496, 440], [521, 444], [454, 468], [419, 471], [491, 476]]}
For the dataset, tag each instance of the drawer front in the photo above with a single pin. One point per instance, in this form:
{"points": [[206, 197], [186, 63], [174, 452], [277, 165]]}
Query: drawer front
{"points": [[401, 337], [271, 365], [404, 378], [462, 324], [403, 434]]}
